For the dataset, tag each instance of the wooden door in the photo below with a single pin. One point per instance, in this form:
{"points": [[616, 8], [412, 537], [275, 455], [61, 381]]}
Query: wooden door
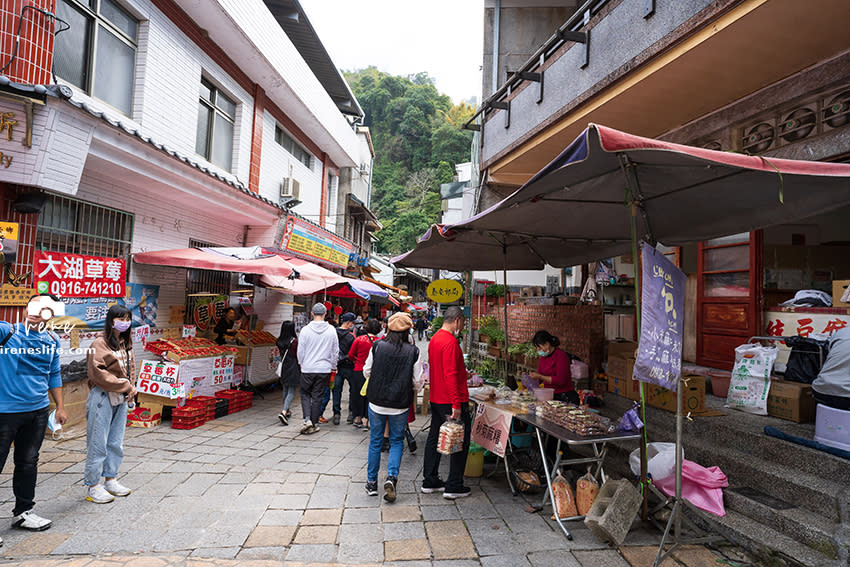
{"points": [[728, 296]]}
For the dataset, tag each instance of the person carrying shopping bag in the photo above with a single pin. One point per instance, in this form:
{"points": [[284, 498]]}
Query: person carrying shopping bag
{"points": [[288, 371], [112, 379]]}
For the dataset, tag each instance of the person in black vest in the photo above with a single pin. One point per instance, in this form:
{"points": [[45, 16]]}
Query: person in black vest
{"points": [[345, 368], [389, 369]]}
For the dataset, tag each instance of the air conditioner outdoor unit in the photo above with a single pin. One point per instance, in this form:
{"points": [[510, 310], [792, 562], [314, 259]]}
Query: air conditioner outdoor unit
{"points": [[290, 189]]}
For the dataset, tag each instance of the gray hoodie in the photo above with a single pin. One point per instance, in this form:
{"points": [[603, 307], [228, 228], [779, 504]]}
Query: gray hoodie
{"points": [[318, 348]]}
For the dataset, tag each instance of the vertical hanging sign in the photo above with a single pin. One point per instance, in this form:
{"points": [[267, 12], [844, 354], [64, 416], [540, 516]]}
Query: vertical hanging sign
{"points": [[659, 356]]}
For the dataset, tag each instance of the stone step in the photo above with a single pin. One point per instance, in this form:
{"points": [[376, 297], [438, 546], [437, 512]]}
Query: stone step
{"points": [[770, 546]]}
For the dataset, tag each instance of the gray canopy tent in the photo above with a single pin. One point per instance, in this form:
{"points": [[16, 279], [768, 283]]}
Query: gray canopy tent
{"points": [[609, 189]]}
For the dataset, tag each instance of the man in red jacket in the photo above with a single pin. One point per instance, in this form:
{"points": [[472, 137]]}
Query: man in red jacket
{"points": [[449, 400]]}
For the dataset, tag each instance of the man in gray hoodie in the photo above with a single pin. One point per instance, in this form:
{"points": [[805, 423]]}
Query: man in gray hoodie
{"points": [[318, 353]]}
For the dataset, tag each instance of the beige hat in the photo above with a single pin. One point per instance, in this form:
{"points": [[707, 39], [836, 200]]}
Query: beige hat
{"points": [[399, 322]]}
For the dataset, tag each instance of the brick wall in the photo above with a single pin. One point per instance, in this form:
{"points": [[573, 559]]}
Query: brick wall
{"points": [[579, 327], [34, 57]]}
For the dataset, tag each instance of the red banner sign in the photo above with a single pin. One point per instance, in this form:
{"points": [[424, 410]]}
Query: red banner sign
{"points": [[73, 275]]}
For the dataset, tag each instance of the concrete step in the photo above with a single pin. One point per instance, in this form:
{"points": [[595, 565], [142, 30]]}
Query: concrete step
{"points": [[768, 545]]}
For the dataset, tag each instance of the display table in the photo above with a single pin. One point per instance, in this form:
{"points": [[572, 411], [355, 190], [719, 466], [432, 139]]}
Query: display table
{"points": [[514, 412], [597, 442]]}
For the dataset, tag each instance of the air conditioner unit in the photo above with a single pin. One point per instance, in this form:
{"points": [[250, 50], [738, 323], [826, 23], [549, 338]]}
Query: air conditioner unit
{"points": [[290, 189]]}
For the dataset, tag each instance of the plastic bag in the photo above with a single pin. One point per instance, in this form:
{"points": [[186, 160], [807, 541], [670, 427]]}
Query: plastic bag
{"points": [[565, 504], [450, 440], [750, 382], [422, 378], [806, 358], [661, 460], [586, 490]]}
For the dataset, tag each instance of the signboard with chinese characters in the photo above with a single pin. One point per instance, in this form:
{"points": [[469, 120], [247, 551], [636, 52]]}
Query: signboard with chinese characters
{"points": [[659, 355], [90, 312], [786, 324], [159, 379], [8, 242], [208, 311], [13, 295], [74, 275], [222, 373], [491, 428], [444, 291], [312, 242]]}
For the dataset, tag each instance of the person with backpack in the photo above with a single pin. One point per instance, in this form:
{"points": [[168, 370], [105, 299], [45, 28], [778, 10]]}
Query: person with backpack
{"points": [[345, 367], [289, 371], [29, 376], [358, 353], [318, 356]]}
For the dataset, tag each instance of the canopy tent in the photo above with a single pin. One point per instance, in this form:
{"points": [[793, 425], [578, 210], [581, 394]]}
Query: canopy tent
{"points": [[248, 260], [577, 209]]}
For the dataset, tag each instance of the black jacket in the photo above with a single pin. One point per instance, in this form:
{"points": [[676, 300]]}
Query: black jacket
{"points": [[290, 374], [391, 379], [346, 339]]}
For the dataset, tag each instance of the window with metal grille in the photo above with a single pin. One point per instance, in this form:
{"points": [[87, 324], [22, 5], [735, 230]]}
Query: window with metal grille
{"points": [[204, 281], [77, 227]]}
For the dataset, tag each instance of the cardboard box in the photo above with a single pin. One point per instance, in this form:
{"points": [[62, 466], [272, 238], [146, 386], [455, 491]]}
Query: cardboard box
{"points": [[241, 356], [838, 289], [693, 393], [532, 291], [147, 416], [791, 400], [149, 400], [616, 348], [620, 382]]}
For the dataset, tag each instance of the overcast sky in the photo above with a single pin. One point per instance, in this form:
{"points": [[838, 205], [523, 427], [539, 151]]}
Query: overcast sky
{"points": [[401, 37]]}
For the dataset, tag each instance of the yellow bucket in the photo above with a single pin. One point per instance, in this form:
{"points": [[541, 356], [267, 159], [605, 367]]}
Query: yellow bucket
{"points": [[474, 464]]}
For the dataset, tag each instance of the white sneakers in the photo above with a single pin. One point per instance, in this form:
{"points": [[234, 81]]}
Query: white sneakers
{"points": [[98, 494], [105, 493], [115, 488], [30, 521]]}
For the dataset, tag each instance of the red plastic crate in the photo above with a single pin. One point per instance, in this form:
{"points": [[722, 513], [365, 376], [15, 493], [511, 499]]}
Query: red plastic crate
{"points": [[206, 402], [189, 423], [189, 411]]}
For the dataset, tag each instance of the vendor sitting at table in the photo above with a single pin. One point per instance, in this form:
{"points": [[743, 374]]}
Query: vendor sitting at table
{"points": [[224, 328], [553, 367]]}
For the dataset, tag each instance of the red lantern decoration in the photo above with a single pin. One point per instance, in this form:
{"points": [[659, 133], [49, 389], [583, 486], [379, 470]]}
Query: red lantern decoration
{"points": [[338, 310], [328, 305]]}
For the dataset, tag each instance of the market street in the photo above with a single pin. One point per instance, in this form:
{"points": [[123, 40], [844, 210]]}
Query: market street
{"points": [[245, 487]]}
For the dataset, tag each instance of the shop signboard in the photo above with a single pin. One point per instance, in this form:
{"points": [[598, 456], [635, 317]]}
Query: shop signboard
{"points": [[491, 428], [659, 355], [208, 311], [90, 312], [785, 324], [75, 275], [222, 372], [8, 242], [307, 240], [444, 291], [159, 379]]}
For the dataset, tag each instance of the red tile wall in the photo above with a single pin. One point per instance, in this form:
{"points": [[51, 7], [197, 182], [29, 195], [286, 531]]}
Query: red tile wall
{"points": [[257, 139], [34, 57]]}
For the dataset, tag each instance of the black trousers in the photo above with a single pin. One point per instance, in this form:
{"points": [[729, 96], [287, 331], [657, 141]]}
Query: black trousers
{"points": [[359, 405], [312, 391], [440, 413], [26, 430], [343, 373], [836, 402]]}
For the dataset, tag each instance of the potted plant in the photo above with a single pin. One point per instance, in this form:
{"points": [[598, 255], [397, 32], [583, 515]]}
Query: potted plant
{"points": [[517, 352], [486, 324]]}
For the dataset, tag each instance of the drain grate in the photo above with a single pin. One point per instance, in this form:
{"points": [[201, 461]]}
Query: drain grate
{"points": [[762, 498]]}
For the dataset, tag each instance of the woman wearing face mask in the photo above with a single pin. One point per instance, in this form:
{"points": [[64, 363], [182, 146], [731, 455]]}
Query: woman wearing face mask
{"points": [[112, 378], [553, 367]]}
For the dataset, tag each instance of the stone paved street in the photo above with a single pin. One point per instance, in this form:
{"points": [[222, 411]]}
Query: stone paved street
{"points": [[244, 487]]}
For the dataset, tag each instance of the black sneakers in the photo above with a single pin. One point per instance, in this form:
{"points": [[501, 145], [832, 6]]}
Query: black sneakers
{"points": [[461, 492], [336, 419], [372, 488], [429, 488], [389, 488]]}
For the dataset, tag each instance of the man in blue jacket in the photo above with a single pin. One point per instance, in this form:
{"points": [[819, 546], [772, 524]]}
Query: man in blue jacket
{"points": [[29, 371]]}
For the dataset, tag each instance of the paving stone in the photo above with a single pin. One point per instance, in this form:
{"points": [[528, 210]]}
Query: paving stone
{"points": [[291, 501], [434, 513], [247, 518], [394, 513], [505, 561], [242, 478], [312, 553], [260, 489], [257, 554], [497, 544], [281, 518], [601, 558], [457, 563], [403, 530], [316, 534], [295, 488], [454, 547], [555, 559], [361, 515], [214, 553], [270, 536], [37, 544], [81, 543], [360, 552], [303, 477], [225, 536], [331, 497], [693, 556], [362, 533], [411, 549], [450, 528], [322, 517]]}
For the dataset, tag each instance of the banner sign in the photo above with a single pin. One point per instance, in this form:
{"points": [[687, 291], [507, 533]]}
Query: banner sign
{"points": [[312, 242], [444, 291], [8, 242], [74, 275], [189, 331], [222, 373], [159, 379], [659, 356], [141, 333], [208, 311], [90, 312], [491, 428]]}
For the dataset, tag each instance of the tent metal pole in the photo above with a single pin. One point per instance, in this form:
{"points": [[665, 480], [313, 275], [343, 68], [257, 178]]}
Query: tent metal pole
{"points": [[505, 281]]}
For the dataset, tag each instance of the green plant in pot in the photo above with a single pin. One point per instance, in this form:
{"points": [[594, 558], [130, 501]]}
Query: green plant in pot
{"points": [[485, 324], [495, 290]]}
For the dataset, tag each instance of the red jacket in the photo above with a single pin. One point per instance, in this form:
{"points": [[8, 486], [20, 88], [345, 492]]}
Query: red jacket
{"points": [[557, 365], [448, 373], [360, 351]]}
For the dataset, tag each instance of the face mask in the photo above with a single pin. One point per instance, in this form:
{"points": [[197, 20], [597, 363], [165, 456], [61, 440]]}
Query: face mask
{"points": [[55, 427], [543, 353], [121, 326]]}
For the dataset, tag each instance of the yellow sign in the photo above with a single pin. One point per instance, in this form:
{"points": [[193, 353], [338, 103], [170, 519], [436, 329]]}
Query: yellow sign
{"points": [[9, 230], [444, 291], [15, 296]]}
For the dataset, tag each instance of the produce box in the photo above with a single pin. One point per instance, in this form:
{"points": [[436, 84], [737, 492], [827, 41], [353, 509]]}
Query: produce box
{"points": [[791, 400], [693, 395], [617, 348], [255, 338], [241, 355], [146, 416], [620, 381], [838, 289]]}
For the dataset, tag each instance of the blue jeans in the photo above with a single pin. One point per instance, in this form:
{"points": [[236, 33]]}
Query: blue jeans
{"points": [[26, 431], [377, 424], [288, 395], [343, 373], [104, 436]]}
